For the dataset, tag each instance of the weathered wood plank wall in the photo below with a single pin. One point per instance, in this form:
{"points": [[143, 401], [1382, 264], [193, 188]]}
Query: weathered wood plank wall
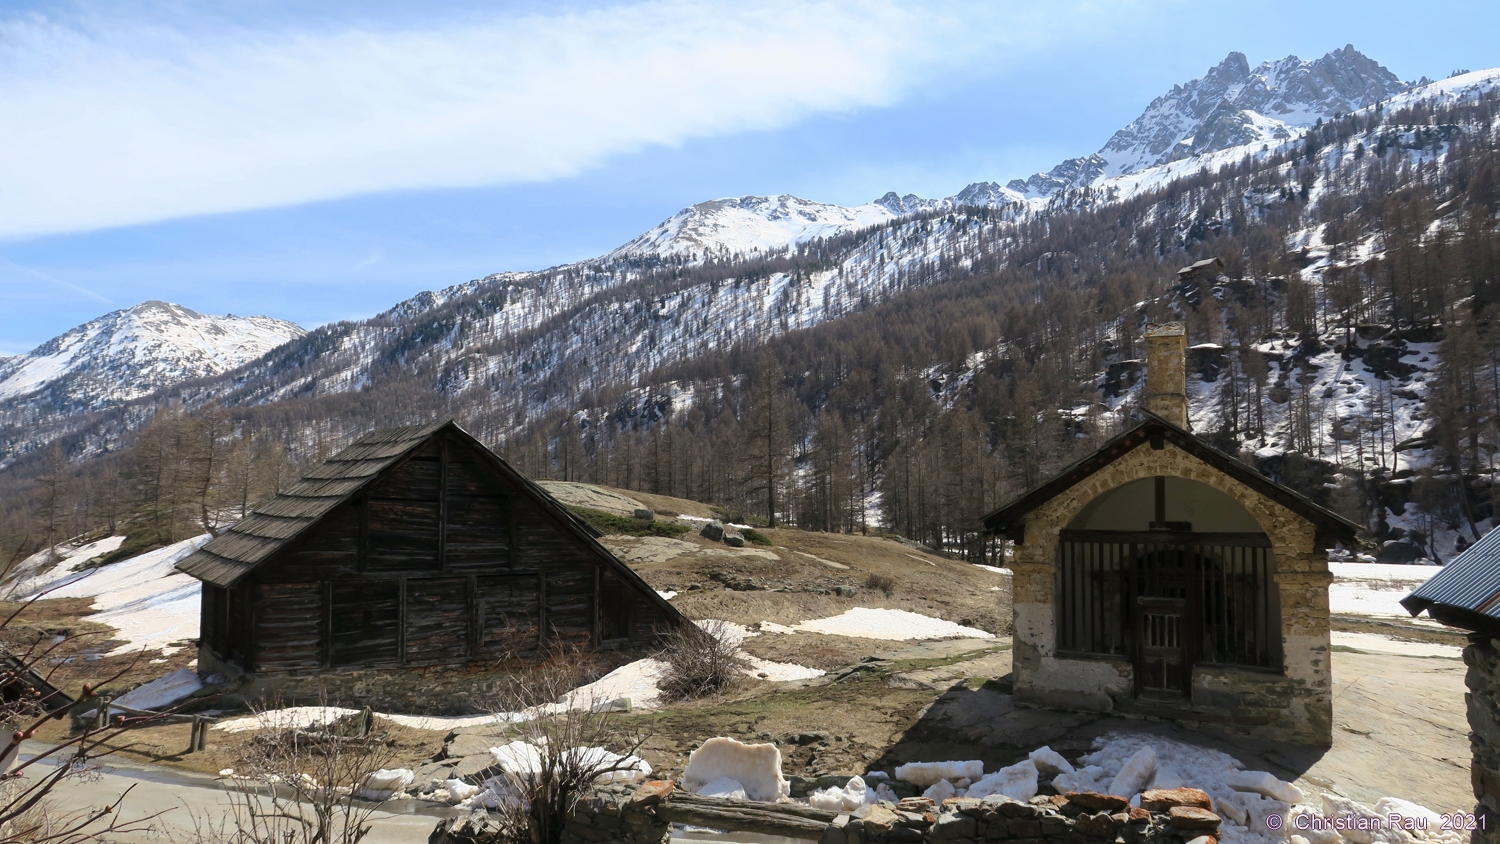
{"points": [[438, 562]]}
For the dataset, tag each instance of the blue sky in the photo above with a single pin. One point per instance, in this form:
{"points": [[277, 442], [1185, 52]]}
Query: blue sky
{"points": [[261, 158]]}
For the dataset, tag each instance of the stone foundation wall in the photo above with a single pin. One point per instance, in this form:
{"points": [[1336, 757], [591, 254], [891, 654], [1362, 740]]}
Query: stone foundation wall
{"points": [[431, 690], [1294, 705], [618, 814], [1483, 700]]}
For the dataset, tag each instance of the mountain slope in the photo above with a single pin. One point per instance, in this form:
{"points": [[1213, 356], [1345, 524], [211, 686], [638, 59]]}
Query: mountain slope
{"points": [[131, 353]]}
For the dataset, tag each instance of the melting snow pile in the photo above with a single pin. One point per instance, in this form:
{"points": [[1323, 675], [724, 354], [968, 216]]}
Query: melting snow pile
{"points": [[1375, 590], [868, 623], [145, 598], [721, 766], [162, 692], [521, 763], [52, 566]]}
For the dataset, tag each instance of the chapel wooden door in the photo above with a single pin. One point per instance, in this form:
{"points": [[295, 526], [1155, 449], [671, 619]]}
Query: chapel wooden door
{"points": [[1162, 618]]}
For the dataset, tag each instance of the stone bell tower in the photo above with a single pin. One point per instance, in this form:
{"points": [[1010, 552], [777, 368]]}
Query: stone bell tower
{"points": [[1166, 372]]}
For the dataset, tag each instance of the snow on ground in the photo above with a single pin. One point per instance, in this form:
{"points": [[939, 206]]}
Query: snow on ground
{"points": [[1375, 590], [636, 681], [995, 569], [868, 623], [145, 598], [1375, 643], [40, 571]]}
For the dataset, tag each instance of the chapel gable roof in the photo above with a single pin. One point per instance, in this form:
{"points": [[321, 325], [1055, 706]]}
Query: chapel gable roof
{"points": [[1152, 429]]}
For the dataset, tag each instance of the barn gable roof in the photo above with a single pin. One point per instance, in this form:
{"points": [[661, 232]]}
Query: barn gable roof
{"points": [[1010, 519], [1466, 592], [227, 558]]}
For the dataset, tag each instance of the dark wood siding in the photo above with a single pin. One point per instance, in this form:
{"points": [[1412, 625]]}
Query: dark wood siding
{"points": [[240, 636], [616, 609], [214, 626], [330, 552], [405, 509], [289, 626], [365, 617], [437, 620], [507, 615]]}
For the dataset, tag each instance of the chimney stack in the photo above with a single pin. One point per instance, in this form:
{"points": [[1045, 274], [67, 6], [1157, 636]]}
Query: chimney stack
{"points": [[1166, 372]]}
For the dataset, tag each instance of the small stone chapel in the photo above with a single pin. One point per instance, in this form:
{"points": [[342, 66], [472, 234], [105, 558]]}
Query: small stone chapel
{"points": [[1160, 576]]}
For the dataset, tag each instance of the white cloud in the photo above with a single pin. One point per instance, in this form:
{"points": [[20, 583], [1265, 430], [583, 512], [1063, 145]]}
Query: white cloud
{"points": [[109, 122]]}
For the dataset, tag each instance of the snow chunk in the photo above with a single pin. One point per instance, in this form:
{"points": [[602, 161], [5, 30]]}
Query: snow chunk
{"points": [[846, 799], [928, 773], [384, 784], [1135, 773], [1049, 761], [725, 788], [1262, 782], [1088, 778], [757, 767], [627, 768], [1017, 781], [940, 791]]}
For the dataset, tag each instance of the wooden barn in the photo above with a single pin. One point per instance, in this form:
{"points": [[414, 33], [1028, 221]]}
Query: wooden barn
{"points": [[413, 547]]}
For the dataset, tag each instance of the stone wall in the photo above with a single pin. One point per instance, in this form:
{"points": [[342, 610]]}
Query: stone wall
{"points": [[1483, 699], [429, 690], [627, 815], [1293, 705]]}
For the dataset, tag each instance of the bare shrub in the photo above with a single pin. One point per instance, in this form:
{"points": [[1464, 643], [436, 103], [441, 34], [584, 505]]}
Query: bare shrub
{"points": [[563, 741], [28, 664], [302, 785], [701, 660], [882, 582]]}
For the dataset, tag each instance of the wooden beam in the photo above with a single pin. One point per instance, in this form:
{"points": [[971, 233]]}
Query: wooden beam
{"points": [[541, 607], [364, 531], [442, 537], [326, 646], [475, 618], [401, 621], [598, 614]]}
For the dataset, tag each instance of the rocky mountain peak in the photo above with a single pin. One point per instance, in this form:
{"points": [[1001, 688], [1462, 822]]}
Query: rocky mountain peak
{"points": [[135, 351]]}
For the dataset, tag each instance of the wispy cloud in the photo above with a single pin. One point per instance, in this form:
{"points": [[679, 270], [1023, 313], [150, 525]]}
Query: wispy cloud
{"points": [[111, 122], [31, 275]]}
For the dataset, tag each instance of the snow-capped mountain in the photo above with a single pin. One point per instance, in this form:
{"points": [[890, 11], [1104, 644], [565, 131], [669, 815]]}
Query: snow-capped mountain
{"points": [[1230, 106], [750, 224], [134, 352]]}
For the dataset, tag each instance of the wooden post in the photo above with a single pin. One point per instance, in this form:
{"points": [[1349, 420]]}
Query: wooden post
{"points": [[198, 738], [366, 722], [101, 715]]}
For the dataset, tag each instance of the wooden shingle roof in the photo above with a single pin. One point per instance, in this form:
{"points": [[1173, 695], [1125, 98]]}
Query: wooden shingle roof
{"points": [[247, 543]]}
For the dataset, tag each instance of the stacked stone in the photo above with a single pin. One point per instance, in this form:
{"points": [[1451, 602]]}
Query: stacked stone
{"points": [[1483, 699], [1166, 817], [620, 812]]}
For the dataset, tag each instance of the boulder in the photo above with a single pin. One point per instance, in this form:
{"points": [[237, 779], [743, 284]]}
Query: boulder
{"points": [[1093, 801], [734, 540], [1192, 817], [1163, 799], [644, 514], [713, 531]]}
